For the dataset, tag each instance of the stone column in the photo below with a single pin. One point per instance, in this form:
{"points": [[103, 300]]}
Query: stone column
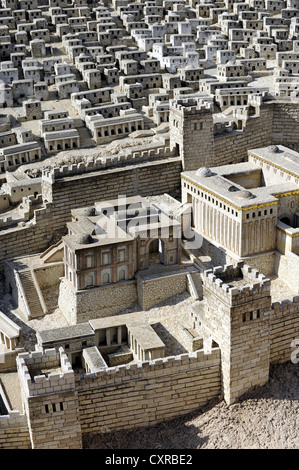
{"points": [[119, 335], [108, 337]]}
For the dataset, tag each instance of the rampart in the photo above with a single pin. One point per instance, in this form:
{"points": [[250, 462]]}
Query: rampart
{"points": [[144, 155], [147, 393], [14, 432], [284, 321]]}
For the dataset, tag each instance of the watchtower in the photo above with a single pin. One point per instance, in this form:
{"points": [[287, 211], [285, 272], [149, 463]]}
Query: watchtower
{"points": [[236, 315], [191, 132], [50, 399]]}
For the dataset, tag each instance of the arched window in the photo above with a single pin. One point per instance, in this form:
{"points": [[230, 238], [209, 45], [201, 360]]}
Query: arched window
{"points": [[105, 278]]}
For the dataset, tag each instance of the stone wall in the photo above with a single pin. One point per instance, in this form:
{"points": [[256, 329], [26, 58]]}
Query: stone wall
{"points": [[285, 128], [88, 304], [265, 263], [33, 238], [8, 360], [14, 432], [284, 320], [287, 269], [191, 340], [233, 147], [155, 289], [147, 393], [49, 275]]}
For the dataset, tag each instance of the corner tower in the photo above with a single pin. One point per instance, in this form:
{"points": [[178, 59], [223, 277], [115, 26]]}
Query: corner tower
{"points": [[236, 315]]}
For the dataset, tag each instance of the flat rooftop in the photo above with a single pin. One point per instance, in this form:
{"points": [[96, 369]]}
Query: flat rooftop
{"points": [[280, 156], [67, 332], [223, 181]]}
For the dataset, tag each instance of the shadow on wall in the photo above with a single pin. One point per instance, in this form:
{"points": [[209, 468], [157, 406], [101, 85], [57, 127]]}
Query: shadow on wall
{"points": [[218, 256], [178, 433]]}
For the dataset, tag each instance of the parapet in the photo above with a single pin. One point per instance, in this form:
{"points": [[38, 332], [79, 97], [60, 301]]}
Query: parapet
{"points": [[104, 163], [235, 285], [14, 419], [286, 307], [45, 372], [189, 106], [196, 359]]}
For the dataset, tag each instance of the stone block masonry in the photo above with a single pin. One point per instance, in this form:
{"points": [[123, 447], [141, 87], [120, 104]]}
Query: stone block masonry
{"points": [[154, 290], [147, 393], [151, 178], [50, 399], [81, 306], [285, 127], [14, 432], [284, 320], [232, 148]]}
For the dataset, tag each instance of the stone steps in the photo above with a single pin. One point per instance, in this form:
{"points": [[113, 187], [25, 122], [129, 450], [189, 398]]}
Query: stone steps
{"points": [[31, 294], [86, 141]]}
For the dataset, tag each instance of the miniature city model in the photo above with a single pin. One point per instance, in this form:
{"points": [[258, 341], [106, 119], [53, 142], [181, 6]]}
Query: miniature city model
{"points": [[149, 210]]}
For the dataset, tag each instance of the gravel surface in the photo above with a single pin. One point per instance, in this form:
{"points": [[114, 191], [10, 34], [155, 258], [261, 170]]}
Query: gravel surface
{"points": [[267, 418]]}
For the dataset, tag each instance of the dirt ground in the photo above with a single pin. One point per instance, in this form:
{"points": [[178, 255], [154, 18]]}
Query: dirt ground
{"points": [[267, 418]]}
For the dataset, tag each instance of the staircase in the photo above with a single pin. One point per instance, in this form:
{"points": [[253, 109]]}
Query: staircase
{"points": [[31, 294], [53, 253]]}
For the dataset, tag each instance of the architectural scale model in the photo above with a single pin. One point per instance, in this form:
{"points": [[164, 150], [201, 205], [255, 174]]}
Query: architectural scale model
{"points": [[149, 210]]}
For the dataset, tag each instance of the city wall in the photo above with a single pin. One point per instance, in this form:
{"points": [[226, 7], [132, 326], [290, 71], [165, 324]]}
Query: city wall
{"points": [[14, 432], [144, 394], [287, 268], [284, 328], [233, 147]]}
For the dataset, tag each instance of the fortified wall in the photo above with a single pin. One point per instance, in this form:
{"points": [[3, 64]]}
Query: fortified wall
{"points": [[122, 397], [242, 334]]}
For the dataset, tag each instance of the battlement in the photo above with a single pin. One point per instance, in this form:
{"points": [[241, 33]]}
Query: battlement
{"points": [[13, 419], [25, 212], [236, 285], [286, 306], [104, 163], [156, 367], [45, 372], [191, 106]]}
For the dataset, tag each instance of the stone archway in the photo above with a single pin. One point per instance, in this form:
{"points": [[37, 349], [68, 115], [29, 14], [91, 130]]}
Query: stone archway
{"points": [[155, 251]]}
